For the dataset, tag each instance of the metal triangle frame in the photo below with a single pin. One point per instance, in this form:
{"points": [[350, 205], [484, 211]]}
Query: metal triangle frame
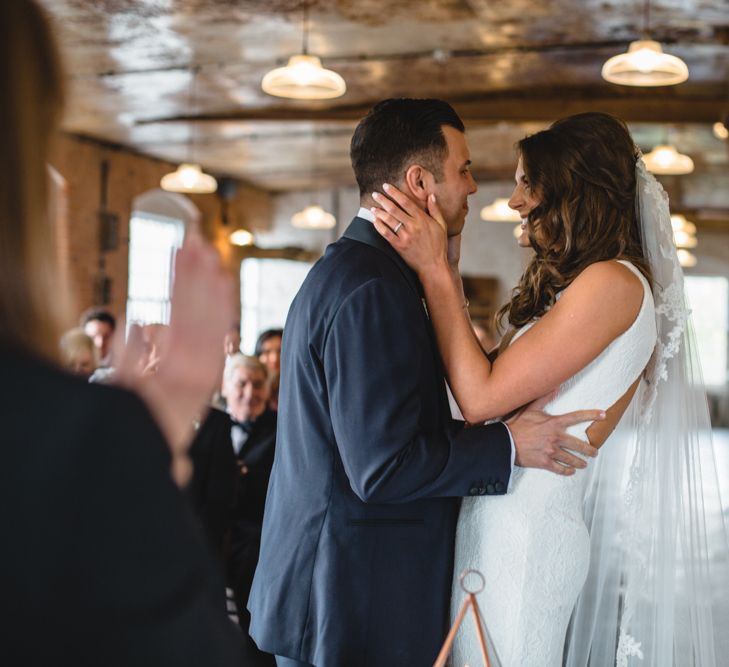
{"points": [[473, 604]]}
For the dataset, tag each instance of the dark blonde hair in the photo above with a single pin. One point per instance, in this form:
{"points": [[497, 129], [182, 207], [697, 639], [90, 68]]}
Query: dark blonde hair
{"points": [[32, 94], [582, 171]]}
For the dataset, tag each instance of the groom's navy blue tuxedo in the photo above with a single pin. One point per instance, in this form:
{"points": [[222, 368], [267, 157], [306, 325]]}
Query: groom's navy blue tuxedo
{"points": [[357, 549]]}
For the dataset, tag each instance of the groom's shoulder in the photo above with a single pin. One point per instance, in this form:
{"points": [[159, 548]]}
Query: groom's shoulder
{"points": [[350, 260]]}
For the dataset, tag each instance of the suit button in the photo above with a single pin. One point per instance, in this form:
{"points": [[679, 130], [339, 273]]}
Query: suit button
{"points": [[499, 486], [473, 490], [490, 489]]}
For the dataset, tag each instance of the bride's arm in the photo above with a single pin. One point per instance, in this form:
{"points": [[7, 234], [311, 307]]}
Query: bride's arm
{"points": [[598, 306]]}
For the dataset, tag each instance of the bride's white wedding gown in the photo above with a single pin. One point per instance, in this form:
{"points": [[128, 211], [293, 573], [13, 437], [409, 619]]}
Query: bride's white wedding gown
{"points": [[532, 545]]}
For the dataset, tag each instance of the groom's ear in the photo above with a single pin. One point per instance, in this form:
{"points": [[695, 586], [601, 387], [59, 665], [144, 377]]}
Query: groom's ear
{"points": [[418, 180]]}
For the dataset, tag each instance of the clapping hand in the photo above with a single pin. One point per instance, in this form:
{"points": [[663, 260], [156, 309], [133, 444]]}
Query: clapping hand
{"points": [[187, 373]]}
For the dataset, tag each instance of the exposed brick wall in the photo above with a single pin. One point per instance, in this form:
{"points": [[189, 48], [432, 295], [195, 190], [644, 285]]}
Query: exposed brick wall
{"points": [[78, 160]]}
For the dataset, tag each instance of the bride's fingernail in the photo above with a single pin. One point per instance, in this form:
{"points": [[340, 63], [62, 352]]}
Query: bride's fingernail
{"points": [[385, 186], [373, 210], [432, 198], [376, 195], [603, 415]]}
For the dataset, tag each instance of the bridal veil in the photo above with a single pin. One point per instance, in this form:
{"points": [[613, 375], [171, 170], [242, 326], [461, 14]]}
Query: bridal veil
{"points": [[655, 595]]}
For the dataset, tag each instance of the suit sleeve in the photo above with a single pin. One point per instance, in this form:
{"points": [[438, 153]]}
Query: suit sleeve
{"points": [[375, 359]]}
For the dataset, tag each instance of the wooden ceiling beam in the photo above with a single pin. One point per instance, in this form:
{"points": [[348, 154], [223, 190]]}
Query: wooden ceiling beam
{"points": [[641, 108]]}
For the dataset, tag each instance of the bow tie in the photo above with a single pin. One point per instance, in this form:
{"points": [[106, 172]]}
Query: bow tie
{"points": [[246, 425]]}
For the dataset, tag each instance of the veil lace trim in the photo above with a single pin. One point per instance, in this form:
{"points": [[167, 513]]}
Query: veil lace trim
{"points": [[658, 543]]}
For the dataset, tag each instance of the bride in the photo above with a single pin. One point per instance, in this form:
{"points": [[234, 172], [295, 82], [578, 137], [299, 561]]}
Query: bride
{"points": [[610, 566]]}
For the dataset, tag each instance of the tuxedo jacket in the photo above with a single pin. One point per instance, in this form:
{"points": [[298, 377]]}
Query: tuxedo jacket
{"points": [[102, 560], [256, 455], [358, 534], [214, 478]]}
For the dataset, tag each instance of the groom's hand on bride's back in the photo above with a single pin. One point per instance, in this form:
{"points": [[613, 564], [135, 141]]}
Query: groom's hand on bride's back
{"points": [[542, 441]]}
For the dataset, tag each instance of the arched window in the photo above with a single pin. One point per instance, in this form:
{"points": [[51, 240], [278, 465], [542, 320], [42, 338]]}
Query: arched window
{"points": [[156, 231]]}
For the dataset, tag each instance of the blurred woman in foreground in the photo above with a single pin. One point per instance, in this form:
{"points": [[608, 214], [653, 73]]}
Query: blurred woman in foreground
{"points": [[102, 562]]}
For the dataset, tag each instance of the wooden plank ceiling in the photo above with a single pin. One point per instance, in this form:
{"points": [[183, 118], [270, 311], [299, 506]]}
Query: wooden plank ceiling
{"points": [[508, 67]]}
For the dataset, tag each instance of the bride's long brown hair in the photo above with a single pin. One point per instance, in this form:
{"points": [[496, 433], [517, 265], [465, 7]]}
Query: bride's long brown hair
{"points": [[582, 170]]}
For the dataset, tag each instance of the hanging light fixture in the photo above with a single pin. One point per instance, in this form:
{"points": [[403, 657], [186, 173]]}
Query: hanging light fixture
{"points": [[500, 211], [189, 178], [665, 160], [684, 236], [686, 258], [304, 78], [684, 232], [241, 237], [313, 217], [721, 131], [645, 63]]}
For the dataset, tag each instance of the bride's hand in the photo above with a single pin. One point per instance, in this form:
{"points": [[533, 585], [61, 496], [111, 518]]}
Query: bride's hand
{"points": [[418, 236]]}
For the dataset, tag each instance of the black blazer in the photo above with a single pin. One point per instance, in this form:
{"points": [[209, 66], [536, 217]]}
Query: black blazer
{"points": [[357, 547], [102, 561], [256, 455], [214, 478]]}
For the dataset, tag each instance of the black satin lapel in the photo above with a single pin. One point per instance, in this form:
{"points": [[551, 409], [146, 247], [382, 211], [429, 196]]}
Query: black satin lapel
{"points": [[364, 231]]}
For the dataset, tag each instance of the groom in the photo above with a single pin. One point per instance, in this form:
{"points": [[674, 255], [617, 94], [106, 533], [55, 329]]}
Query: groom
{"points": [[356, 557]]}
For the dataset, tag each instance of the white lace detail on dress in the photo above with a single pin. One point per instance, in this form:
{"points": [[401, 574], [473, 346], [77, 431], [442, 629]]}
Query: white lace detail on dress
{"points": [[532, 545]]}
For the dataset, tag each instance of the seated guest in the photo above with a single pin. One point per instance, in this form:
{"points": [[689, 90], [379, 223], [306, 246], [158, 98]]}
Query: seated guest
{"points": [[102, 562], [99, 325], [253, 433], [214, 480], [268, 349], [78, 352]]}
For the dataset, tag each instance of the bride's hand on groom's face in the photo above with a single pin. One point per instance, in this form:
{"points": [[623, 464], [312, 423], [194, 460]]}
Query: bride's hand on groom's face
{"points": [[542, 441], [418, 235]]}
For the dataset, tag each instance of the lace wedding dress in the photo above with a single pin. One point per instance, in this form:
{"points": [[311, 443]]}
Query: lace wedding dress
{"points": [[532, 545]]}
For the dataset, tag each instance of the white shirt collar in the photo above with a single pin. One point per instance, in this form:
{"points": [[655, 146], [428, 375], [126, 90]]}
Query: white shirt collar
{"points": [[366, 214]]}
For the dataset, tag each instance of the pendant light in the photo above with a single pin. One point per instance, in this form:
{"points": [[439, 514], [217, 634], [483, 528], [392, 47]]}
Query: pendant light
{"points": [[684, 232], [686, 259], [500, 211], [645, 64], [721, 131], [189, 178], [304, 78], [241, 237], [314, 216], [684, 236], [665, 160]]}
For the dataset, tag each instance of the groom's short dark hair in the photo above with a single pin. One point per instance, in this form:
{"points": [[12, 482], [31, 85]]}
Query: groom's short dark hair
{"points": [[397, 133]]}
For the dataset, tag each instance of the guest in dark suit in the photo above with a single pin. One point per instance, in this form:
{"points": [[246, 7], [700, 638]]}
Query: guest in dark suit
{"points": [[253, 433], [212, 488], [357, 548], [102, 561]]}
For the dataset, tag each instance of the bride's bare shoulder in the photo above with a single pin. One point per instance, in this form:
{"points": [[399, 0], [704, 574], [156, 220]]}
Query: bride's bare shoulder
{"points": [[610, 290]]}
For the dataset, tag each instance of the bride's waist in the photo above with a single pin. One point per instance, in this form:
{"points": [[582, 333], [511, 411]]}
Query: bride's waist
{"points": [[532, 489]]}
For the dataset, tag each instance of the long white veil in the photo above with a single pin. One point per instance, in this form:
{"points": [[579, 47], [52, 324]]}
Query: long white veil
{"points": [[655, 594]]}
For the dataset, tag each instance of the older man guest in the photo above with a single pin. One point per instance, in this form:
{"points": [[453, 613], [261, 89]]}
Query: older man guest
{"points": [[253, 433]]}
